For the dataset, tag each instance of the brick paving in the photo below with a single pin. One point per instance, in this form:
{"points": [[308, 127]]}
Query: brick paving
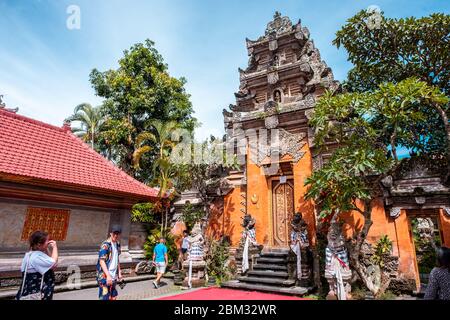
{"points": [[133, 291]]}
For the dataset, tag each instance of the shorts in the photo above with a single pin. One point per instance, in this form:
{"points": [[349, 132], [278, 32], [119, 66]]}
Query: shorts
{"points": [[160, 267], [183, 250], [106, 292]]}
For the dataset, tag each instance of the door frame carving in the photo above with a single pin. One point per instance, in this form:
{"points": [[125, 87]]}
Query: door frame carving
{"points": [[270, 206]]}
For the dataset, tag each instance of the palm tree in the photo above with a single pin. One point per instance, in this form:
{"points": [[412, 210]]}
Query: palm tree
{"points": [[162, 168], [90, 120]]}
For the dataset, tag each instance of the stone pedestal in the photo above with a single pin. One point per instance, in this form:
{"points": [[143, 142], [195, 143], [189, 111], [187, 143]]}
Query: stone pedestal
{"points": [[198, 274], [306, 262], [332, 282]]}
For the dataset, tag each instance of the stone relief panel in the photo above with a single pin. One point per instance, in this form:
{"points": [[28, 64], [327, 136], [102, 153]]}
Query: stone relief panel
{"points": [[286, 144]]}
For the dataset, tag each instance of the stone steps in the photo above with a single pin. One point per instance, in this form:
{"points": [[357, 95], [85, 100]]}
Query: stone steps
{"points": [[264, 266], [271, 260], [268, 273], [296, 291], [271, 281], [275, 254]]}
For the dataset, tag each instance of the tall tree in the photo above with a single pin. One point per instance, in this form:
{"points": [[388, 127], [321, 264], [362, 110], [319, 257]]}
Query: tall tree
{"points": [[367, 126], [160, 141], [138, 91], [90, 120], [394, 50]]}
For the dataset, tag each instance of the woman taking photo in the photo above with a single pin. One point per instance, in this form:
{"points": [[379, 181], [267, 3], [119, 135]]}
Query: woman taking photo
{"points": [[38, 278]]}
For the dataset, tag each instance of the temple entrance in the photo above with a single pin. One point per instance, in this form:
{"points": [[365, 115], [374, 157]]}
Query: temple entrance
{"points": [[427, 237], [282, 211]]}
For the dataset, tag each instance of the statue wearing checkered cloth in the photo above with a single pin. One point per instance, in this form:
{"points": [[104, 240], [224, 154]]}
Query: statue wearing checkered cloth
{"points": [[248, 239], [337, 268], [299, 240]]}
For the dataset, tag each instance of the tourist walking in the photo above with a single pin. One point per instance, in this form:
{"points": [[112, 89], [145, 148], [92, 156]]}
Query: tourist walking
{"points": [[160, 260], [38, 277], [438, 287], [184, 248], [108, 265]]}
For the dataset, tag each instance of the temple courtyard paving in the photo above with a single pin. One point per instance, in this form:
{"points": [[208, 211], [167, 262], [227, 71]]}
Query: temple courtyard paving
{"points": [[132, 291]]}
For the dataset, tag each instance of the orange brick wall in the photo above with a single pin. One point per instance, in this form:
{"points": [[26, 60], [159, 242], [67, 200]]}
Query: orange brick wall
{"points": [[258, 189], [302, 169], [445, 227], [225, 218], [398, 230]]}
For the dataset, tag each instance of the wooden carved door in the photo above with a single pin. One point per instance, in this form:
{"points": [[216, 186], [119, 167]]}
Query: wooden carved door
{"points": [[282, 211]]}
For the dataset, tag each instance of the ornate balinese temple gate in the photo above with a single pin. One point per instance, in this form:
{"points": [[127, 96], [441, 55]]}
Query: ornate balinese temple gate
{"points": [[268, 130]]}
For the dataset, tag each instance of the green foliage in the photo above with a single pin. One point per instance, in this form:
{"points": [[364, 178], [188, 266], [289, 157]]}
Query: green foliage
{"points": [[153, 240], [397, 50], [191, 215], [143, 212], [368, 127], [90, 120], [387, 295], [382, 248], [400, 49], [138, 92], [359, 292], [216, 258], [261, 115]]}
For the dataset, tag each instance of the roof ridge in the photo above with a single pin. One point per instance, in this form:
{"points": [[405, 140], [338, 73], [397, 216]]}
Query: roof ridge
{"points": [[108, 162], [30, 120]]}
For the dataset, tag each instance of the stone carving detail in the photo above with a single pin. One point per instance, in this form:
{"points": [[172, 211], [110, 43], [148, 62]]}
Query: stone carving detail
{"points": [[271, 122], [195, 265], [270, 108], [272, 77], [395, 212], [447, 211], [420, 200], [317, 163], [273, 45], [388, 181], [299, 245], [3, 106], [337, 268], [309, 113], [425, 227], [287, 144], [248, 246], [291, 144], [279, 25]]}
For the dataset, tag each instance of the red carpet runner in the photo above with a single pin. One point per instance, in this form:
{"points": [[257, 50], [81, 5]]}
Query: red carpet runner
{"points": [[213, 293]]}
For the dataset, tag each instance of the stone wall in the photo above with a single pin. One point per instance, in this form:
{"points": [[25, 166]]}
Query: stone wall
{"points": [[87, 227]]}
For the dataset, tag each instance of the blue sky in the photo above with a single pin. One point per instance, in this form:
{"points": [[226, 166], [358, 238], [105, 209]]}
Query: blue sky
{"points": [[44, 66]]}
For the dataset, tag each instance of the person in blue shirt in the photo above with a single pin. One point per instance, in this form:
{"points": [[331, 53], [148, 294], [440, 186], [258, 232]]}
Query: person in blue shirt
{"points": [[160, 260]]}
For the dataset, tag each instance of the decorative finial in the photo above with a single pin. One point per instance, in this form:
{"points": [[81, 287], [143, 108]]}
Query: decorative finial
{"points": [[66, 126], [277, 15], [3, 106]]}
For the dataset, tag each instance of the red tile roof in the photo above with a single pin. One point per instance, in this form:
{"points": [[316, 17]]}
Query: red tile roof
{"points": [[30, 148]]}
